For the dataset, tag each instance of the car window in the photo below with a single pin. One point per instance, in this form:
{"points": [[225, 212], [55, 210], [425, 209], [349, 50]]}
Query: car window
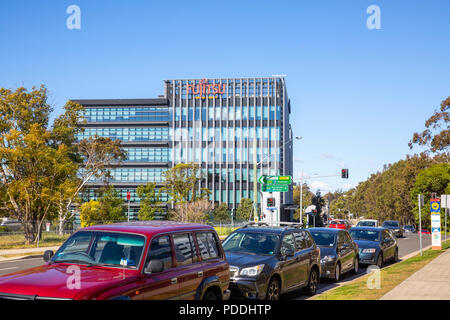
{"points": [[324, 239], [310, 239], [288, 242], [348, 239], [208, 245], [184, 249], [301, 241], [340, 239], [251, 242], [160, 249]]}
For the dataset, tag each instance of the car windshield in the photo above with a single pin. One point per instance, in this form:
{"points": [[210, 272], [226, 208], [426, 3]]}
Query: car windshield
{"points": [[102, 248], [324, 239], [390, 224], [337, 222], [368, 235], [251, 242], [366, 224]]}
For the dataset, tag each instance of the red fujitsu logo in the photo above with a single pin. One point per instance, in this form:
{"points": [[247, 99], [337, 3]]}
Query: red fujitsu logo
{"points": [[203, 87]]}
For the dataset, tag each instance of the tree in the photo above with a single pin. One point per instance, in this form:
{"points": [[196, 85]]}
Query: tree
{"points": [[307, 196], [150, 203], [33, 157], [93, 156], [182, 183], [107, 209], [319, 202], [433, 138], [221, 213], [194, 211], [244, 210], [433, 179]]}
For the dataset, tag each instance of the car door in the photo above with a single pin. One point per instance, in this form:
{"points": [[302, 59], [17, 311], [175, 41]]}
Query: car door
{"points": [[302, 255], [391, 244], [289, 264], [344, 251], [386, 244], [160, 285], [351, 257], [211, 256], [189, 266]]}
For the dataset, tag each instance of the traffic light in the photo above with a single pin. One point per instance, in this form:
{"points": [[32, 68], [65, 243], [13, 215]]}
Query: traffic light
{"points": [[344, 174], [270, 202]]}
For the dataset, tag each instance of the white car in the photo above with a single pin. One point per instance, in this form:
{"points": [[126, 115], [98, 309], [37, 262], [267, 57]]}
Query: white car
{"points": [[368, 223]]}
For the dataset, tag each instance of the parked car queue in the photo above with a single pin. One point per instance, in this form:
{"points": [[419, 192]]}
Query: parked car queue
{"points": [[171, 260]]}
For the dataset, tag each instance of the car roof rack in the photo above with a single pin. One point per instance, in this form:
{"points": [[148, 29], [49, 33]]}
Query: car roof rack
{"points": [[274, 224]]}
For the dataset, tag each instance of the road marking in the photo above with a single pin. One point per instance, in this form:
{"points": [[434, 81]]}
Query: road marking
{"points": [[8, 268]]}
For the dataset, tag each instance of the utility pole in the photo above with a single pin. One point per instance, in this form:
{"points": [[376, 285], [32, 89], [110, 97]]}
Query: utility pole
{"points": [[301, 199], [421, 202]]}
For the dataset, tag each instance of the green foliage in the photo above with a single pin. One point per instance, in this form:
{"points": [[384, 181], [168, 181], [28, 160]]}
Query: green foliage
{"points": [[431, 137], [221, 213], [434, 179], [386, 195], [108, 209], [244, 210], [307, 197], [182, 183], [150, 201]]}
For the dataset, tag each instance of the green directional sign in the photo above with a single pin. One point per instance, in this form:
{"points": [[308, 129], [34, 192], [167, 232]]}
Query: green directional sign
{"points": [[275, 180], [275, 188]]}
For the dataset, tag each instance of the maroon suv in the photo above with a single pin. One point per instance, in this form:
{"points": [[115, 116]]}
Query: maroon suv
{"points": [[138, 261]]}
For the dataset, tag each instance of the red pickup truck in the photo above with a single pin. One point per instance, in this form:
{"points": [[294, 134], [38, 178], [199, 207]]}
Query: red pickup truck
{"points": [[137, 261]]}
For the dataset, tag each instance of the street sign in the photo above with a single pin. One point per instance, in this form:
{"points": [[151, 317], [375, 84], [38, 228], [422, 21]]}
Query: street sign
{"points": [[274, 188], [445, 201], [435, 205], [275, 180]]}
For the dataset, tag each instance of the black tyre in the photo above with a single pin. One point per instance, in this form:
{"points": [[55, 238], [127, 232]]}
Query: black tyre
{"points": [[313, 282], [210, 295], [273, 290], [380, 261], [355, 266], [396, 255], [337, 272]]}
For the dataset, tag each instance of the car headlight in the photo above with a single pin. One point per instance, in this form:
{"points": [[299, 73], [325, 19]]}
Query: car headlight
{"points": [[370, 250], [326, 259], [252, 271]]}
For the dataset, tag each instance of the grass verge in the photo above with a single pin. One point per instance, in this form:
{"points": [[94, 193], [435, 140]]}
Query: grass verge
{"points": [[391, 276], [17, 241], [224, 231]]}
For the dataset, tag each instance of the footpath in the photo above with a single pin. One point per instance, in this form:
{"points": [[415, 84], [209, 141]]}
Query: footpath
{"points": [[432, 282]]}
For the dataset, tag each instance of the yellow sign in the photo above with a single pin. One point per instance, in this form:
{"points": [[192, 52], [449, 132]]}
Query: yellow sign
{"points": [[435, 206]]}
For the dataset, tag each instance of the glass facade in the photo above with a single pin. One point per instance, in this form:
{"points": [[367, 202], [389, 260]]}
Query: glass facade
{"points": [[227, 126]]}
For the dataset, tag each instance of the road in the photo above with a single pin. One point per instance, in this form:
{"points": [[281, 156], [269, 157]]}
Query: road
{"points": [[406, 245]]}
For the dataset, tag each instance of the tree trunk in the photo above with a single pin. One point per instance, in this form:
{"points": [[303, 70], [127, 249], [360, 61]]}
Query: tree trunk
{"points": [[30, 231], [61, 226]]}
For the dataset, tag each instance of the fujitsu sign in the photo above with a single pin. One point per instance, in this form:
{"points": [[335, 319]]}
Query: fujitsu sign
{"points": [[203, 87]]}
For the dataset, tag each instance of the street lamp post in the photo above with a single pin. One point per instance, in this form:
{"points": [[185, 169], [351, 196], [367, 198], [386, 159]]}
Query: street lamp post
{"points": [[255, 167]]}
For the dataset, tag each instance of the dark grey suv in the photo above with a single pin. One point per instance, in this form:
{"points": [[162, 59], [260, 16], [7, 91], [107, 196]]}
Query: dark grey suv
{"points": [[267, 261]]}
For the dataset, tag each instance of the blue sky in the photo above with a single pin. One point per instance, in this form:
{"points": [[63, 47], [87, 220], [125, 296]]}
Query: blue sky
{"points": [[357, 94]]}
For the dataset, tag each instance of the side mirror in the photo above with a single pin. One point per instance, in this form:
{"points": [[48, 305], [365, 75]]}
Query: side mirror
{"points": [[154, 266], [48, 254]]}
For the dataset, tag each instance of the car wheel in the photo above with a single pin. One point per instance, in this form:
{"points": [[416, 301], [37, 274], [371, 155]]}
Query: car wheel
{"points": [[273, 290], [313, 282], [396, 255], [380, 260], [355, 266], [337, 272], [210, 295]]}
